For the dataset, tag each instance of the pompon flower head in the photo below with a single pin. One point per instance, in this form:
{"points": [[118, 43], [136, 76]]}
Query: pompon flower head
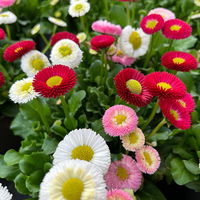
{"points": [[101, 41], [66, 52], [73, 179], [134, 42], [7, 18], [58, 22], [118, 194], [22, 91], [123, 174], [63, 35], [79, 8], [17, 50], [176, 29], [130, 87], [6, 3], [84, 144], [34, 61], [133, 141], [152, 23], [2, 79], [54, 81], [2, 34], [148, 159], [165, 13], [4, 193], [103, 26], [119, 120], [180, 61], [165, 85], [177, 115]]}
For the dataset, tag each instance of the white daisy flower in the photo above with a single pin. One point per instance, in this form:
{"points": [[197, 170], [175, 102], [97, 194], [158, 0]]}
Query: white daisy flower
{"points": [[22, 91], [84, 144], [4, 193], [73, 179], [74, 1], [35, 29], [79, 8], [7, 18], [81, 37], [134, 42], [66, 52], [57, 21], [34, 61]]}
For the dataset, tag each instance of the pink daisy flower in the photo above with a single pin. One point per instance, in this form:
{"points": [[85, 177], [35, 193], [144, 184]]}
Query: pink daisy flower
{"points": [[103, 26], [118, 195], [6, 3], [133, 141], [123, 174], [119, 120], [148, 159], [165, 13], [2, 34]]}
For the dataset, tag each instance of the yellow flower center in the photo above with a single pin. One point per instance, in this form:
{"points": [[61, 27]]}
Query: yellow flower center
{"points": [[122, 173], [182, 103], [78, 7], [178, 60], [175, 114], [175, 28], [151, 24], [72, 189], [26, 86], [164, 86], [54, 81], [135, 40], [133, 138], [147, 158], [83, 152], [37, 64], [120, 119], [4, 15], [134, 86], [119, 53], [17, 50], [65, 51]]}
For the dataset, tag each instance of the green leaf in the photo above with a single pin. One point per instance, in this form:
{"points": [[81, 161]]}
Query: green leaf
{"points": [[20, 184], [195, 185], [183, 45], [192, 167], [182, 152], [49, 145], [12, 157], [70, 122]]}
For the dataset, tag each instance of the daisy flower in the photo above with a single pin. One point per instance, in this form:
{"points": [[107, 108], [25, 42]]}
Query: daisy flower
{"points": [[2, 34], [54, 81], [176, 29], [134, 42], [180, 61], [176, 114], [103, 26], [22, 91], [17, 50], [66, 52], [2, 79], [148, 159], [35, 29], [152, 23], [63, 35], [73, 179], [4, 193], [165, 85], [34, 61], [101, 41], [165, 13], [57, 21], [117, 194], [6, 3], [133, 141], [81, 37], [119, 120], [84, 144], [79, 8], [7, 18], [123, 174], [130, 87], [74, 1]]}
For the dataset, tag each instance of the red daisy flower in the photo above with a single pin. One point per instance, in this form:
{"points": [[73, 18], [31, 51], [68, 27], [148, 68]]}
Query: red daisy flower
{"points": [[17, 50], [54, 81], [165, 85], [176, 29], [2, 79], [176, 115], [130, 87], [2, 34], [178, 60], [186, 103], [152, 23], [101, 41], [63, 35]]}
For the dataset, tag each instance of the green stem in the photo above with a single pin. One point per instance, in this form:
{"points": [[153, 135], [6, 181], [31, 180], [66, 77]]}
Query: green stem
{"points": [[155, 108], [44, 38], [133, 12], [84, 27], [106, 9], [128, 13], [64, 104], [8, 31], [153, 132], [102, 68], [170, 45]]}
